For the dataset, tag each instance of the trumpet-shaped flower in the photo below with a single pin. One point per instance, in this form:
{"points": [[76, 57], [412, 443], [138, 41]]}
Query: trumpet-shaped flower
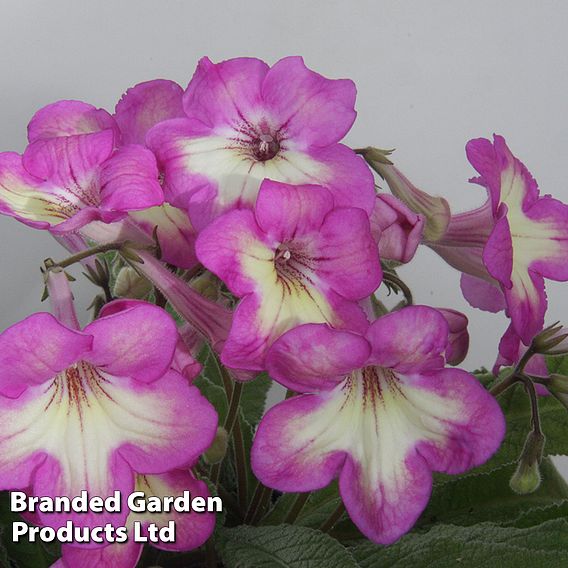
{"points": [[192, 529], [507, 247], [246, 122], [295, 259], [380, 411], [86, 410]]}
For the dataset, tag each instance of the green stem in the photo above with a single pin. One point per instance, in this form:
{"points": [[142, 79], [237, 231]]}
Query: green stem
{"points": [[87, 253], [254, 502], [504, 385], [211, 554], [333, 518], [297, 507], [240, 466]]}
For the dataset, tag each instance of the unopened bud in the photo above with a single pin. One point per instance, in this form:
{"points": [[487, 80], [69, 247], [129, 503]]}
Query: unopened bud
{"points": [[552, 340], [218, 448], [130, 284], [526, 478], [435, 210], [558, 384]]}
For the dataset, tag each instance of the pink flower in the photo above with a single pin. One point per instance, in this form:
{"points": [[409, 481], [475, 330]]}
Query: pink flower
{"points": [[295, 259], [87, 410], [510, 244], [192, 529], [246, 122], [380, 412]]}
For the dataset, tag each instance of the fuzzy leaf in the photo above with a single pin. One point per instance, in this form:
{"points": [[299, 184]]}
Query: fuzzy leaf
{"points": [[282, 546]]}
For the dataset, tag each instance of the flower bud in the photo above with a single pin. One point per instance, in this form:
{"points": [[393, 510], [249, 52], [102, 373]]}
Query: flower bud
{"points": [[207, 285], [218, 448], [558, 384], [435, 210], [130, 284], [526, 478], [552, 340]]}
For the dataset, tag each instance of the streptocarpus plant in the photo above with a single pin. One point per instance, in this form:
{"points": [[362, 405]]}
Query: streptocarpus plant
{"points": [[239, 244]]}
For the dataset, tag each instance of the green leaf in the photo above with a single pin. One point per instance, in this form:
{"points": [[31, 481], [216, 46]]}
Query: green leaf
{"points": [[283, 546], [484, 545], [488, 497], [214, 394]]}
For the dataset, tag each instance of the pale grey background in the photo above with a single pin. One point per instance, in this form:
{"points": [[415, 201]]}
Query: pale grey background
{"points": [[430, 74]]}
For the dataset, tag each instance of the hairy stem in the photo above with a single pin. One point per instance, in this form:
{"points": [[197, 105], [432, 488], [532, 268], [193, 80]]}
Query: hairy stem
{"points": [[391, 278]]}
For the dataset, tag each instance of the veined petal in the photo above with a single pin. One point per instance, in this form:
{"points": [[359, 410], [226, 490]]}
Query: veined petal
{"points": [[347, 258], [192, 529], [129, 180], [26, 198], [315, 110], [314, 357], [285, 212], [414, 338], [89, 431], [68, 118], [227, 92], [138, 342], [34, 350], [382, 433], [146, 104], [278, 306], [175, 233]]}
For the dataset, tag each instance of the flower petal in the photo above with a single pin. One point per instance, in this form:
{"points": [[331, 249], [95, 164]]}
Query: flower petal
{"points": [[315, 110], [139, 342], [545, 248], [129, 180], [192, 529], [68, 118], [411, 339], [498, 252], [340, 170], [347, 258], [125, 555], [482, 294], [314, 357], [526, 303], [35, 350], [396, 228], [286, 211], [227, 92], [146, 104]]}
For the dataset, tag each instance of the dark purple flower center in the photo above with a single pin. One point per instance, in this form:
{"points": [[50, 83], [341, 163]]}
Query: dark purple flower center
{"points": [[265, 147]]}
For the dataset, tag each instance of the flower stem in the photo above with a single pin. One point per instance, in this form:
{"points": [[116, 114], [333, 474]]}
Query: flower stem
{"points": [[333, 518], [264, 499], [297, 507], [240, 465], [78, 257]]}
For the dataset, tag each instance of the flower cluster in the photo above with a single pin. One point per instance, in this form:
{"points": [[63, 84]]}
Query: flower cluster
{"points": [[234, 204]]}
